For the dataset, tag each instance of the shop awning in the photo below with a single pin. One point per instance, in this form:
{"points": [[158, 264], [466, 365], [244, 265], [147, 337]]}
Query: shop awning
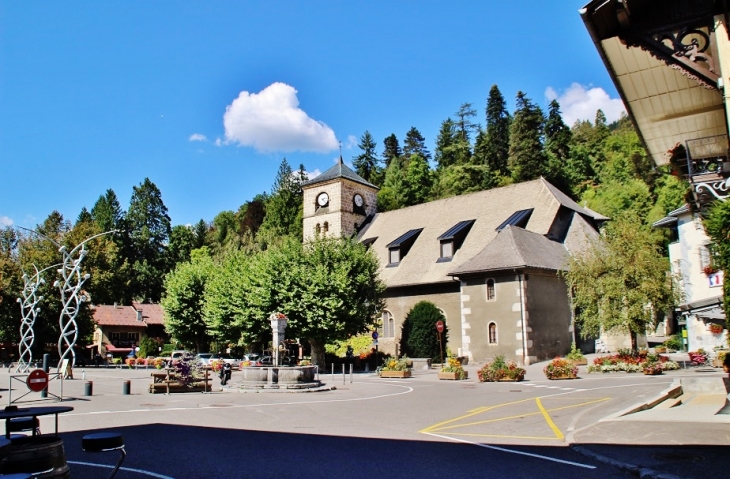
{"points": [[113, 349]]}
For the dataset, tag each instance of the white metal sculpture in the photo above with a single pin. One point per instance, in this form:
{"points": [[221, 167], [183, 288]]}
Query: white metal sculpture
{"points": [[71, 297], [29, 310]]}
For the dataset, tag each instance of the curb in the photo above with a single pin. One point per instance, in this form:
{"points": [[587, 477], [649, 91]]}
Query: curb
{"points": [[641, 472]]}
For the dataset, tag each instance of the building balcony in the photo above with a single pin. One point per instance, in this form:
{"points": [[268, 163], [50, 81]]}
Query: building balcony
{"points": [[708, 168]]}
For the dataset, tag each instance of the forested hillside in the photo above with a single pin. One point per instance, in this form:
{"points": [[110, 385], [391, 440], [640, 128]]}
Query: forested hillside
{"points": [[600, 165]]}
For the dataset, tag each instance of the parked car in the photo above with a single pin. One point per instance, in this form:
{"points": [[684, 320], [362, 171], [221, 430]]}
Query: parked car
{"points": [[226, 358], [204, 358], [253, 358]]}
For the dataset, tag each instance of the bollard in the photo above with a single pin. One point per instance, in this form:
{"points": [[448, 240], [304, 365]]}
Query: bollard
{"points": [[46, 367], [83, 375], [333, 372], [125, 387], [89, 388], [351, 373], [343, 374]]}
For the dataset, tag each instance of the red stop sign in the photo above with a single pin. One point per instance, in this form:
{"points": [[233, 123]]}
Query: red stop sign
{"points": [[37, 380], [440, 326]]}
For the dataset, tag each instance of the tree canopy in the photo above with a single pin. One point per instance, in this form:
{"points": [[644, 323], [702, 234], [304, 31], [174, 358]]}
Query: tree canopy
{"points": [[620, 283]]}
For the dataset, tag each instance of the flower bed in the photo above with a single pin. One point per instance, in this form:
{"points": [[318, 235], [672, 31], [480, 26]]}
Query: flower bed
{"points": [[629, 362], [501, 370]]}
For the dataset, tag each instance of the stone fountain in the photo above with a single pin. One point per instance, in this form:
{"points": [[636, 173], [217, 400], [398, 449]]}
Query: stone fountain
{"points": [[277, 376]]}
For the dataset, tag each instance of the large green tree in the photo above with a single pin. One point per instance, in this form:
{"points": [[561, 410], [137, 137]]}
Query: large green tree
{"points": [[415, 144], [527, 159], [10, 284], [284, 208], [149, 230], [495, 143], [185, 298], [620, 283], [328, 288], [367, 164], [391, 149]]}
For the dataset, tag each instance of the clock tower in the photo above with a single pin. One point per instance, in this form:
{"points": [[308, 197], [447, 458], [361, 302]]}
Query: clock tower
{"points": [[337, 202]]}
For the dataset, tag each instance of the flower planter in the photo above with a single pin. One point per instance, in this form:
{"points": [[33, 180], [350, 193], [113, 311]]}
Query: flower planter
{"points": [[452, 376], [579, 362], [652, 372], [395, 374], [660, 349], [564, 376], [510, 380]]}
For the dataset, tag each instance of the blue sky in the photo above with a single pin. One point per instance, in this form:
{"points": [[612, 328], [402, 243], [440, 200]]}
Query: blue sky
{"points": [[206, 98]]}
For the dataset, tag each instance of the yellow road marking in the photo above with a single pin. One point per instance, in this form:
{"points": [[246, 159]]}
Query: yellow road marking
{"points": [[549, 420], [553, 438], [442, 426]]}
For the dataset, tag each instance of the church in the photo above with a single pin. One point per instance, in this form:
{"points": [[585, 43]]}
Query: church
{"points": [[490, 260]]}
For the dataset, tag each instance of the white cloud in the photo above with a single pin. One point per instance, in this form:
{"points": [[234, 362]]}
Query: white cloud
{"points": [[5, 221], [271, 120], [581, 103], [313, 174], [351, 142], [197, 137], [218, 142]]}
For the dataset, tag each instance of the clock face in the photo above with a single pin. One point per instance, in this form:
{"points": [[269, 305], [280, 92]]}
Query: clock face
{"points": [[358, 201], [323, 199]]}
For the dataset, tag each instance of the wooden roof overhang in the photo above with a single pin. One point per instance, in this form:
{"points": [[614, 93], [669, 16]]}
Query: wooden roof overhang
{"points": [[666, 59]]}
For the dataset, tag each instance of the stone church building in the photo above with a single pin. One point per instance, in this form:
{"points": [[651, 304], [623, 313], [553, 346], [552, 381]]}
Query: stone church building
{"points": [[489, 260]]}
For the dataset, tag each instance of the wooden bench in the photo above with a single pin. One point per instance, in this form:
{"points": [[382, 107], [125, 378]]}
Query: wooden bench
{"points": [[167, 382]]}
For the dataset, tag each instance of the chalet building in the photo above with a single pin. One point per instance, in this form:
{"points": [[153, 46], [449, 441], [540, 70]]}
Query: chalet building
{"points": [[119, 329], [701, 282], [489, 260], [670, 62]]}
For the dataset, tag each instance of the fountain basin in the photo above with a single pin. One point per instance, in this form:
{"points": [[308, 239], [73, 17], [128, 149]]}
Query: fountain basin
{"points": [[280, 377]]}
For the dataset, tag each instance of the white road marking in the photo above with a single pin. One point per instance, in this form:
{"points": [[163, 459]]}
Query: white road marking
{"points": [[130, 469], [289, 403], [511, 451]]}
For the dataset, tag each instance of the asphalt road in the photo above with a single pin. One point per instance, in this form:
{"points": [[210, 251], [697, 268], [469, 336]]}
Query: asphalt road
{"points": [[418, 427]]}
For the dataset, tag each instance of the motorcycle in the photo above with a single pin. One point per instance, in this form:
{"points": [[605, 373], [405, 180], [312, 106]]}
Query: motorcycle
{"points": [[225, 373]]}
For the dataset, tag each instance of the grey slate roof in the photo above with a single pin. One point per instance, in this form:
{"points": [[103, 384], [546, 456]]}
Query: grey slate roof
{"points": [[671, 217], [340, 170], [515, 248], [488, 208]]}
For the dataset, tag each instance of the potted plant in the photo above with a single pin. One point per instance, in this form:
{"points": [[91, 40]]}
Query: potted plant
{"points": [[698, 357], [653, 368], [501, 370], [576, 356], [453, 370], [560, 368], [395, 368]]}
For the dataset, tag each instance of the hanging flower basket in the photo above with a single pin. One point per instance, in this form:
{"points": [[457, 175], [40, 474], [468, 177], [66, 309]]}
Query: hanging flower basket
{"points": [[716, 328], [708, 270]]}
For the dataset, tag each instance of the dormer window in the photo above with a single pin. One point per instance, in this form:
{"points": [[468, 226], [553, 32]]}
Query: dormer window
{"points": [[399, 248], [452, 240], [518, 218]]}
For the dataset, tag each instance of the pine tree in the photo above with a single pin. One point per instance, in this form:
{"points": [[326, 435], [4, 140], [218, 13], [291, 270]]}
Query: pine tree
{"points": [[415, 143], [392, 149], [149, 229], [445, 150], [84, 216], [496, 140], [107, 213], [367, 164], [284, 206], [527, 159], [557, 148]]}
